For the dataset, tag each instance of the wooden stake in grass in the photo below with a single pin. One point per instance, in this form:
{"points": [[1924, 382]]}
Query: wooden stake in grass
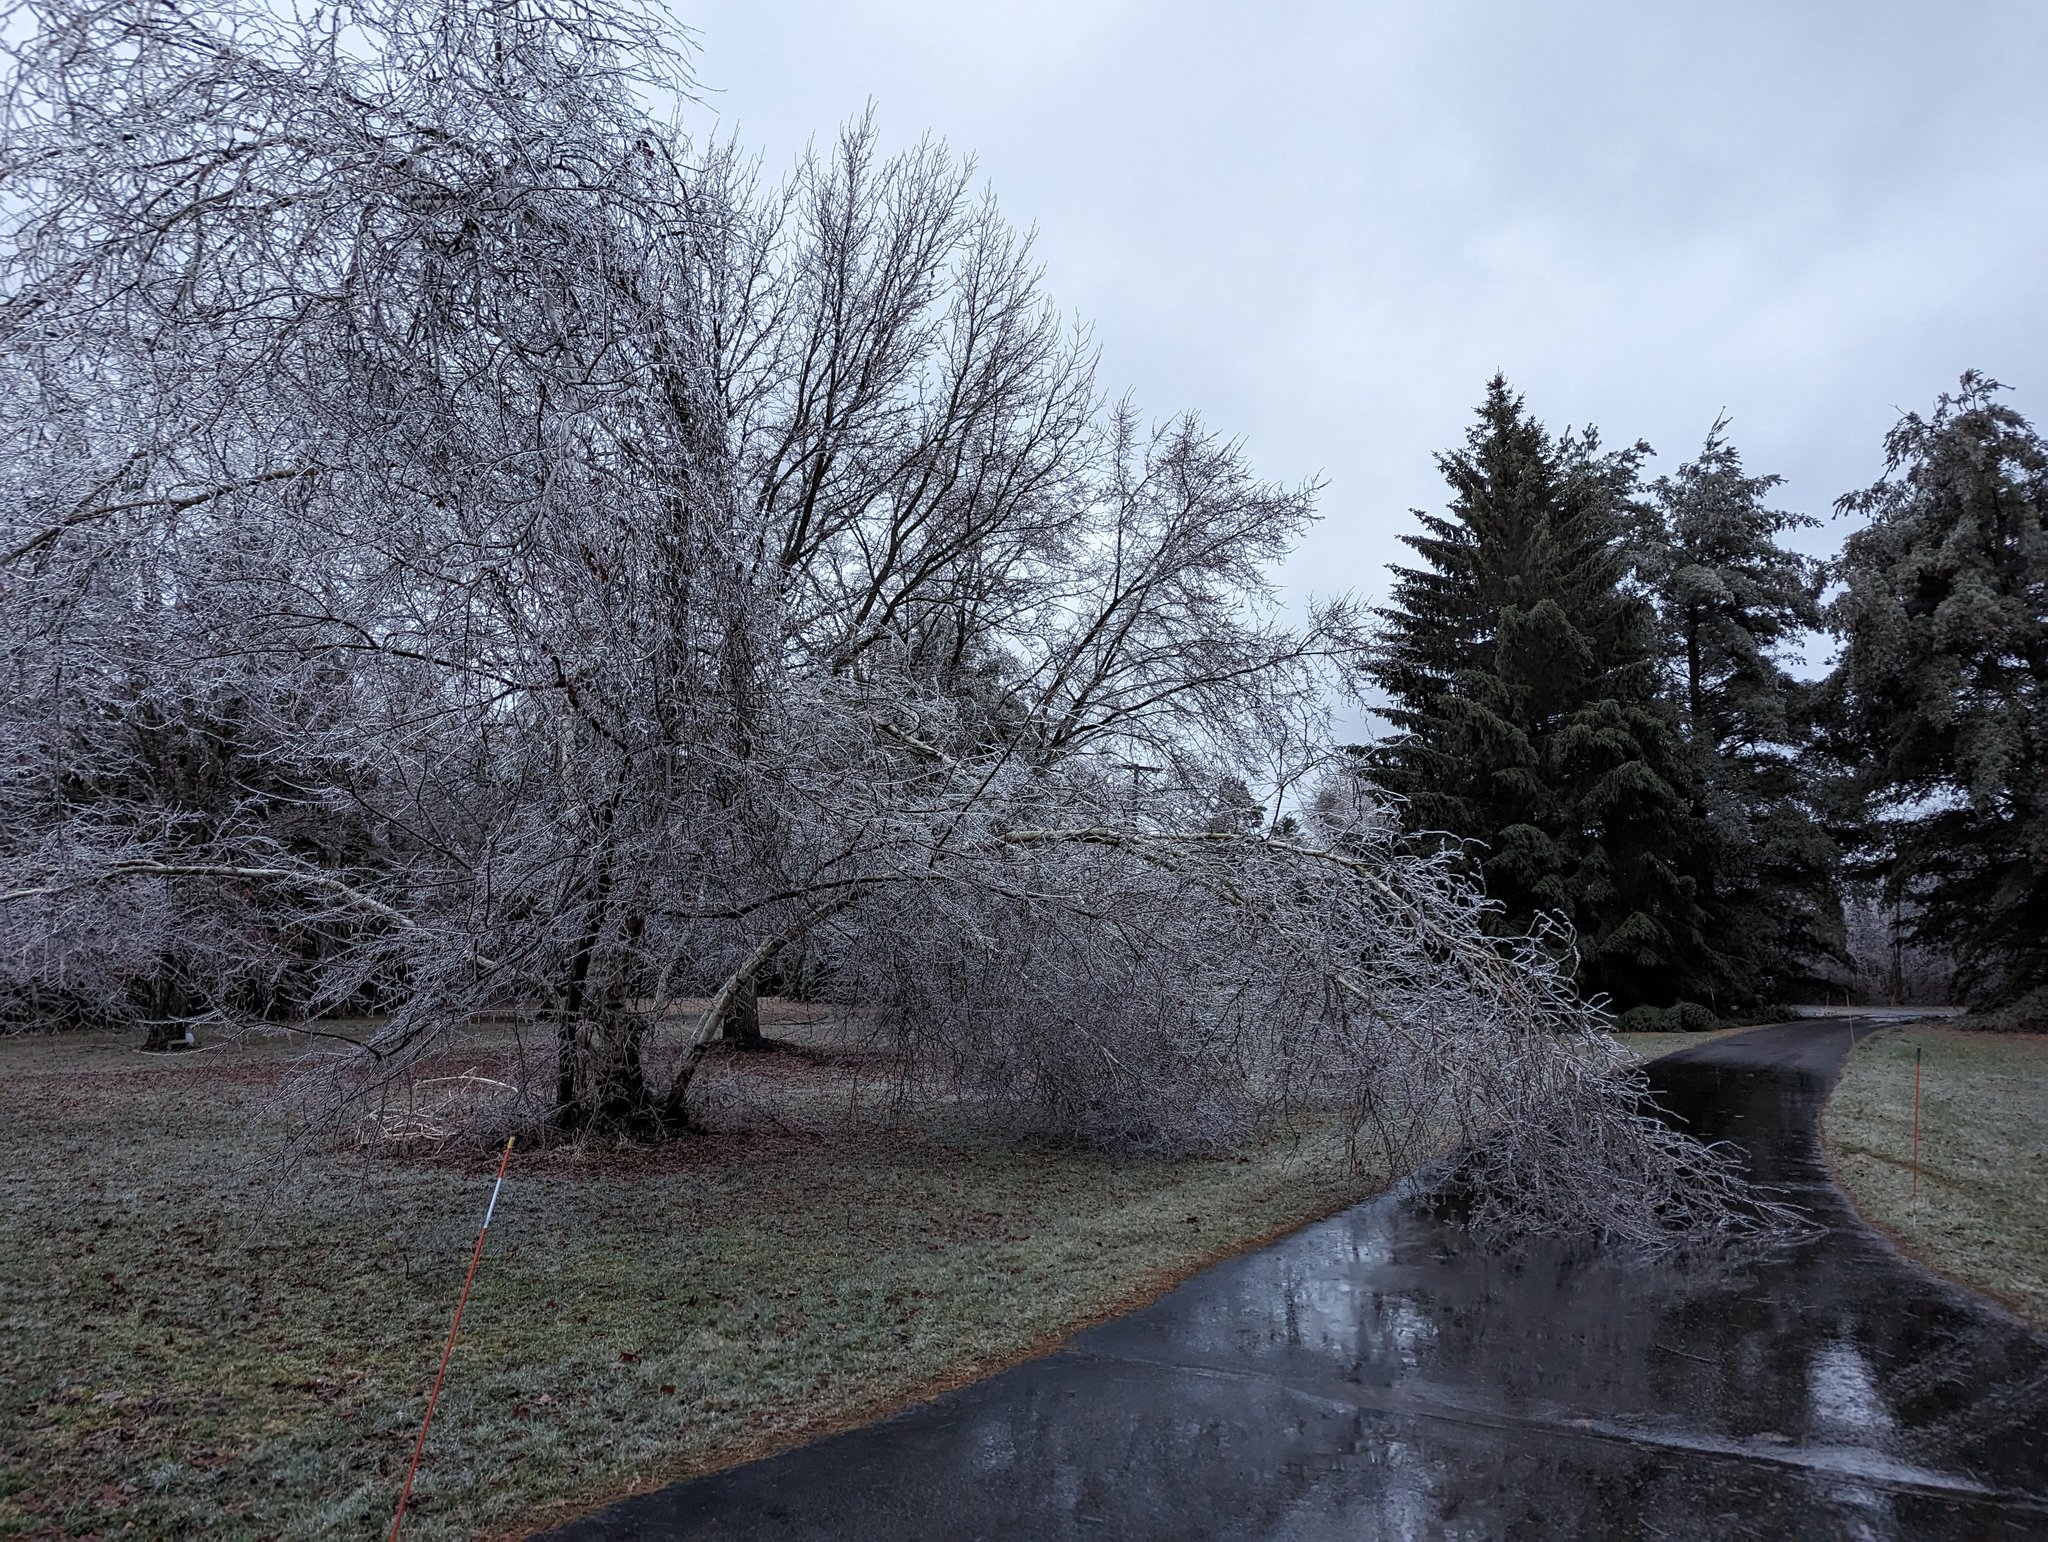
{"points": [[461, 1301]]}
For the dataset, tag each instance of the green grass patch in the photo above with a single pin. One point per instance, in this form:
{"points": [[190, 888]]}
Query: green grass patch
{"points": [[1981, 1216], [193, 1343]]}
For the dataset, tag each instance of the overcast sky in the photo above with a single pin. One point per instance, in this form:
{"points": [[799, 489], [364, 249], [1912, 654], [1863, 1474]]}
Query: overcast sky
{"points": [[1324, 225]]}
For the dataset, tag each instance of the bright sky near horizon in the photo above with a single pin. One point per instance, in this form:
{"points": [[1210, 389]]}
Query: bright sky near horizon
{"points": [[1323, 225]]}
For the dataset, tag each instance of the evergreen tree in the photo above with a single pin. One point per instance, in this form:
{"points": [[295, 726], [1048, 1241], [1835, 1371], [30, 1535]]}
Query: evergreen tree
{"points": [[1522, 675], [1732, 602], [1941, 694]]}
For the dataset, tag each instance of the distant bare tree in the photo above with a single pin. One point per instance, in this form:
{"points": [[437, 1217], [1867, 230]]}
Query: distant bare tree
{"points": [[593, 575], [1886, 967]]}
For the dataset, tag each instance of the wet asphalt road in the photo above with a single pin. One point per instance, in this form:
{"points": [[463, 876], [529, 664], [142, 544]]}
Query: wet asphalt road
{"points": [[1380, 1375]]}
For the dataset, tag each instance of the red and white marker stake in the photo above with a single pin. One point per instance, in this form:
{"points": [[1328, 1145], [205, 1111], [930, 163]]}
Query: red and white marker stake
{"points": [[435, 1396]]}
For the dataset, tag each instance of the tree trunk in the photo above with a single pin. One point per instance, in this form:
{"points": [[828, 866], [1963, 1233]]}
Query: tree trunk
{"points": [[620, 1099], [167, 1011], [623, 1102], [675, 1114], [573, 1105], [569, 1110], [740, 1024]]}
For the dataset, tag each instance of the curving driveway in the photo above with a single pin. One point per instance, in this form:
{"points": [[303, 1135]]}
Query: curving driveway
{"points": [[1378, 1375]]}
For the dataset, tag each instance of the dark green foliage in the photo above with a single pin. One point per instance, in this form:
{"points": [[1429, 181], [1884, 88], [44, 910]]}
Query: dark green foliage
{"points": [[1732, 602], [1941, 695], [1685, 1017], [1522, 674]]}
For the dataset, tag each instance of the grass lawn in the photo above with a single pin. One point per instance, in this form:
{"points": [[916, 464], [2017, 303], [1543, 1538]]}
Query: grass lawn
{"points": [[1982, 1213], [193, 1343], [1648, 1046]]}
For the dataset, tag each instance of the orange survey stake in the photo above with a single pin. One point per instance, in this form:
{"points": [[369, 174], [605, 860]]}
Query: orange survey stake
{"points": [[454, 1327]]}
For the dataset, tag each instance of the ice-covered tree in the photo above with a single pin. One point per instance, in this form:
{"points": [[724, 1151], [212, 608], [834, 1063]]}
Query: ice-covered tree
{"points": [[668, 573], [1941, 694]]}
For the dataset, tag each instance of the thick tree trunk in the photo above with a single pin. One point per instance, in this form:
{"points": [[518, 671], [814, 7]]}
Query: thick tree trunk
{"points": [[620, 1100], [569, 1108], [168, 1009], [607, 1082], [740, 1024], [623, 1102], [574, 1103]]}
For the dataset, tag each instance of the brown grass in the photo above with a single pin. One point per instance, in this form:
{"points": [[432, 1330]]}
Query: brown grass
{"points": [[1648, 1046]]}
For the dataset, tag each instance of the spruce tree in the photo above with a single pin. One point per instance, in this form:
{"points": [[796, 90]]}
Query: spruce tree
{"points": [[1521, 671], [1733, 602], [1941, 694]]}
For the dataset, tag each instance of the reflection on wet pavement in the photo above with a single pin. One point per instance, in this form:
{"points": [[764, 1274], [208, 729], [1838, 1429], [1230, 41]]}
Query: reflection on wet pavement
{"points": [[1381, 1375]]}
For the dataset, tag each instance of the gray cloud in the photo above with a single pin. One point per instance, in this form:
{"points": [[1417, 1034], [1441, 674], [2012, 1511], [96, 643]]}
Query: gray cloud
{"points": [[1324, 225]]}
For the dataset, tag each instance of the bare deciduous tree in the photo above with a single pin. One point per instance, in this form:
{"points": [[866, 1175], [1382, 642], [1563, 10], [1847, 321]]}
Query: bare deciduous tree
{"points": [[574, 576]]}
